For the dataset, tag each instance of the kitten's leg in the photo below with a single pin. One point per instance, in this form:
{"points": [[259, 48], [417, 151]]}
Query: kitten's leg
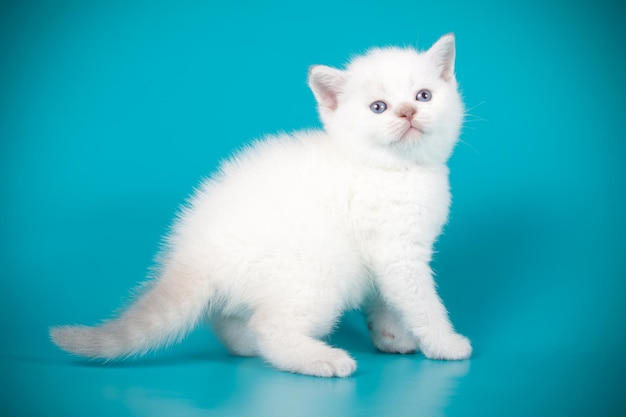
{"points": [[235, 334], [284, 340], [410, 288], [387, 330]]}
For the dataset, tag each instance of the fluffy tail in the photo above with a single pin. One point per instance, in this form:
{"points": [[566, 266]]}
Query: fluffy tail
{"points": [[164, 313]]}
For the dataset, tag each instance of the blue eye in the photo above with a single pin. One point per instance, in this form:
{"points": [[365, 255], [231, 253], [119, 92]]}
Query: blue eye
{"points": [[378, 106], [424, 95]]}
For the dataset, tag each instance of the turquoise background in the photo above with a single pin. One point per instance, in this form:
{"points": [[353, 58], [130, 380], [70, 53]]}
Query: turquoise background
{"points": [[111, 113]]}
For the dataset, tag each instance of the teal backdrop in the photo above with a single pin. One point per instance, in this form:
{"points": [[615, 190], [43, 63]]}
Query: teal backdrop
{"points": [[112, 112]]}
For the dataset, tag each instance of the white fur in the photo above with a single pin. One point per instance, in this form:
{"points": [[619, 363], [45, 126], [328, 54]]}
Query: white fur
{"points": [[298, 228]]}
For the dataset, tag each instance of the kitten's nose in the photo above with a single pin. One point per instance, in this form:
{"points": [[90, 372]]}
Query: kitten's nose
{"points": [[406, 110]]}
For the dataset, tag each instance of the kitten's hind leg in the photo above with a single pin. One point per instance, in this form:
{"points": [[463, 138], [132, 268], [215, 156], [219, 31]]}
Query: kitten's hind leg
{"points": [[235, 334], [284, 341], [387, 330]]}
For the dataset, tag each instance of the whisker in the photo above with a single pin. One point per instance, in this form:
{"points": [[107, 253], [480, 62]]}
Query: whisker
{"points": [[469, 109], [470, 117], [474, 118], [473, 121], [470, 146]]}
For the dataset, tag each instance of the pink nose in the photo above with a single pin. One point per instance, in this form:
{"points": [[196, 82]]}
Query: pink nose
{"points": [[407, 111]]}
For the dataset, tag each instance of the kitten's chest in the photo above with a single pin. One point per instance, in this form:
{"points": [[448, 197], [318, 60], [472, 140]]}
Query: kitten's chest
{"points": [[406, 206]]}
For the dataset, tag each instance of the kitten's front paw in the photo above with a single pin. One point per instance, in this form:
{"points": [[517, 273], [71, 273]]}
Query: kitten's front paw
{"points": [[333, 363], [451, 346]]}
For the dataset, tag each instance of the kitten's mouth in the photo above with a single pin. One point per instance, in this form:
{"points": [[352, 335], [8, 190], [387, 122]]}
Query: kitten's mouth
{"points": [[413, 131]]}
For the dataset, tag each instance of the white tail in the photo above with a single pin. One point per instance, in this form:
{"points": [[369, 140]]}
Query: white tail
{"points": [[164, 313]]}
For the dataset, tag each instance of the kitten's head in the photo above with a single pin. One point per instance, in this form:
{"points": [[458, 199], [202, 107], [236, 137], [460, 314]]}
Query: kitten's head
{"points": [[393, 104]]}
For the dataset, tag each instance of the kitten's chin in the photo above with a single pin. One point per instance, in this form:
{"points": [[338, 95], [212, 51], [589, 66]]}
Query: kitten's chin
{"points": [[412, 134]]}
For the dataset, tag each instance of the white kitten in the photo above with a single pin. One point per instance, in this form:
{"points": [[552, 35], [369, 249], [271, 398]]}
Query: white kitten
{"points": [[297, 229]]}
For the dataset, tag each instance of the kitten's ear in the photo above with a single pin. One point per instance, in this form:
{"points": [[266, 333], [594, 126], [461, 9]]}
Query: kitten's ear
{"points": [[326, 83], [443, 53]]}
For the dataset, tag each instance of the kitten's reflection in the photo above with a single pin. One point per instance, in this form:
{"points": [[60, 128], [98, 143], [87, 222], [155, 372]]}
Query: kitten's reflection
{"points": [[417, 386], [386, 386]]}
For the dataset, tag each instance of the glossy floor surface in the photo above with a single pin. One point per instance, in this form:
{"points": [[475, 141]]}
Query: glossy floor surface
{"points": [[201, 379], [110, 114]]}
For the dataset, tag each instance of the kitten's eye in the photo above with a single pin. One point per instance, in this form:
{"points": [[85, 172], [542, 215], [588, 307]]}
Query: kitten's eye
{"points": [[378, 106], [424, 95]]}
